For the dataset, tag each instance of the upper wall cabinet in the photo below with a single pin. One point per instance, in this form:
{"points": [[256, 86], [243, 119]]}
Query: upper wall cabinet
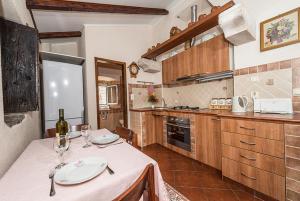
{"points": [[208, 57]]}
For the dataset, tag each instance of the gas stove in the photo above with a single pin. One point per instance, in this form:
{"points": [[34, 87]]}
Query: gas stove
{"points": [[185, 108]]}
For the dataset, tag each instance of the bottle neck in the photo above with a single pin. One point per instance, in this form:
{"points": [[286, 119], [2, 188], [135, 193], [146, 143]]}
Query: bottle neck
{"points": [[61, 114]]}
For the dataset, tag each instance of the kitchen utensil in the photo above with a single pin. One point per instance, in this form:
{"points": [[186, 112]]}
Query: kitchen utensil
{"points": [[104, 146], [110, 171], [51, 176]]}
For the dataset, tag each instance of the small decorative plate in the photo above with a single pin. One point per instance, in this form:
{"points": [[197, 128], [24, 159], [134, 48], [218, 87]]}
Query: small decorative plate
{"points": [[80, 171], [104, 138]]}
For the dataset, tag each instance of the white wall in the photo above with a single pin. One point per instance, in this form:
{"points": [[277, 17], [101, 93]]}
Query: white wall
{"points": [[125, 43], [67, 46], [14, 140], [244, 55], [128, 42], [249, 54]]}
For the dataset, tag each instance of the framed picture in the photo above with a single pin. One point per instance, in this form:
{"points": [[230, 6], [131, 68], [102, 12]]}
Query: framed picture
{"points": [[280, 31]]}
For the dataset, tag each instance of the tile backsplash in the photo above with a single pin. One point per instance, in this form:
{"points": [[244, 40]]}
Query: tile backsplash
{"points": [[273, 80], [191, 94], [138, 95], [269, 84], [198, 95]]}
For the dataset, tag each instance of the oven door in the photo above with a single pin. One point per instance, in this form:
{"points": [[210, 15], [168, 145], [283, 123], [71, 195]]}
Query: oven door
{"points": [[179, 135]]}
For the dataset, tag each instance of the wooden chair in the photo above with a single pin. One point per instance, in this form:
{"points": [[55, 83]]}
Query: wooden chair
{"points": [[51, 132], [144, 185], [76, 127], [127, 134]]}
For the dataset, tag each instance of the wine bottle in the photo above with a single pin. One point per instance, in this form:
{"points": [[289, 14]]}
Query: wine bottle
{"points": [[61, 124]]}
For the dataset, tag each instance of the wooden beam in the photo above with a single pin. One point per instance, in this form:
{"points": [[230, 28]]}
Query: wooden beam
{"points": [[63, 5], [46, 35]]}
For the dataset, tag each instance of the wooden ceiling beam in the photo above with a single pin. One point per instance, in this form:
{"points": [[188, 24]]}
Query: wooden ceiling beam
{"points": [[47, 35], [63, 5]]}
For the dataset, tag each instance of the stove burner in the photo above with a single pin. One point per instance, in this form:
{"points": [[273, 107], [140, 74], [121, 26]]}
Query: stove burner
{"points": [[185, 108]]}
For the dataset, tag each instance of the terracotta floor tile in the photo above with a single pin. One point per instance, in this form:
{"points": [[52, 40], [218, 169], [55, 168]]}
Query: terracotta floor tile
{"points": [[168, 176], [193, 194], [244, 196], [164, 165], [182, 165], [238, 187], [193, 179], [187, 179], [213, 180], [220, 195]]}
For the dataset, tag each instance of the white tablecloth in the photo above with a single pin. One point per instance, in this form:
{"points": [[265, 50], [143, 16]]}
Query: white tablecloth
{"points": [[27, 179]]}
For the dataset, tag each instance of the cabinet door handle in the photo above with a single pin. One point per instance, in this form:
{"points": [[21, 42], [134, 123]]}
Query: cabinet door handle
{"points": [[251, 159], [251, 129], [216, 119], [243, 174], [248, 143]]}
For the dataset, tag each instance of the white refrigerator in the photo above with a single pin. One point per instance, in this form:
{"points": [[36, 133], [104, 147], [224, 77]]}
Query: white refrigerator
{"points": [[62, 88]]}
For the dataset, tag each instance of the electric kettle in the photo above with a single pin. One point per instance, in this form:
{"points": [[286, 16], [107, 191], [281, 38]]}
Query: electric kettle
{"points": [[239, 104]]}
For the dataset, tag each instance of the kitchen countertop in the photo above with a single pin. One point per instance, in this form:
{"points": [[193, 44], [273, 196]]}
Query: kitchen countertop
{"points": [[291, 118]]}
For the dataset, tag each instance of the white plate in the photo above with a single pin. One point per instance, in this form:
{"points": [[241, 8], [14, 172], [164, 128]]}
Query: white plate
{"points": [[80, 171], [104, 138], [74, 134]]}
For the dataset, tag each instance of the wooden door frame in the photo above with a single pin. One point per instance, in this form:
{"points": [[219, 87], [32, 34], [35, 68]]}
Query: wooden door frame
{"points": [[124, 79]]}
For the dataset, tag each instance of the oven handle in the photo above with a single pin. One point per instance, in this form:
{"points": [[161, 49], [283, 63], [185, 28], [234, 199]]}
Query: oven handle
{"points": [[178, 125]]}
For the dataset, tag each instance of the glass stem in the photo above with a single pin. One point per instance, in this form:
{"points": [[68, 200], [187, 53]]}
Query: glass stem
{"points": [[61, 157]]}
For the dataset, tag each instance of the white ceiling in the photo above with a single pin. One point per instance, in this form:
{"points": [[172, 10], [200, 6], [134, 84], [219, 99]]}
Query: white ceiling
{"points": [[51, 21]]}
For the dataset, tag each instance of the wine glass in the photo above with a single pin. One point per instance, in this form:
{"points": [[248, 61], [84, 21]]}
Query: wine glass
{"points": [[85, 134], [61, 144]]}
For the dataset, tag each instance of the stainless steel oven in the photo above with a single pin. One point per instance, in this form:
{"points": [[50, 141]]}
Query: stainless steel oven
{"points": [[178, 131]]}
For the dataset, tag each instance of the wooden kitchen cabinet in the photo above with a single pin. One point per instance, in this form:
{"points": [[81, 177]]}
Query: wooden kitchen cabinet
{"points": [[216, 55], [262, 129], [159, 128], [169, 70], [149, 131], [253, 154], [208, 141], [260, 180], [208, 57]]}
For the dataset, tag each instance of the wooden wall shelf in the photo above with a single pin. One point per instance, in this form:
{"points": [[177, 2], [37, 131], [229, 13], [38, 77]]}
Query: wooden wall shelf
{"points": [[193, 30]]}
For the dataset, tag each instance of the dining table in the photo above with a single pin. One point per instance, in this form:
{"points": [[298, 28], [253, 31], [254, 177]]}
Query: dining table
{"points": [[28, 177]]}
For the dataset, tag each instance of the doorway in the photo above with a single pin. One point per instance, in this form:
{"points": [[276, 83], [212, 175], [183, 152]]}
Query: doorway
{"points": [[111, 93]]}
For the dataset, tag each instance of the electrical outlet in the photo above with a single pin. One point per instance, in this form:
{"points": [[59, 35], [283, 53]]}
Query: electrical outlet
{"points": [[270, 82], [254, 78]]}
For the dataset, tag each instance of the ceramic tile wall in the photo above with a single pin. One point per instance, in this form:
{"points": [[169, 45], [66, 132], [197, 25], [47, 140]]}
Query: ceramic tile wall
{"points": [[198, 94], [183, 94], [296, 83], [269, 84], [273, 80], [139, 96]]}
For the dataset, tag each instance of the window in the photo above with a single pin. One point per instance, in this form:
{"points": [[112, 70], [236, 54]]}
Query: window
{"points": [[102, 95], [112, 94]]}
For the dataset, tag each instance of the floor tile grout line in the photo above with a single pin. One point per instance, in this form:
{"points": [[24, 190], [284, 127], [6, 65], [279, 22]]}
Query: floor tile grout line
{"points": [[236, 196]]}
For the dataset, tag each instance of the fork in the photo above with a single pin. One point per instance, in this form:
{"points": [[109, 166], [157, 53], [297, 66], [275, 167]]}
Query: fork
{"points": [[51, 176], [110, 171], [104, 146]]}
